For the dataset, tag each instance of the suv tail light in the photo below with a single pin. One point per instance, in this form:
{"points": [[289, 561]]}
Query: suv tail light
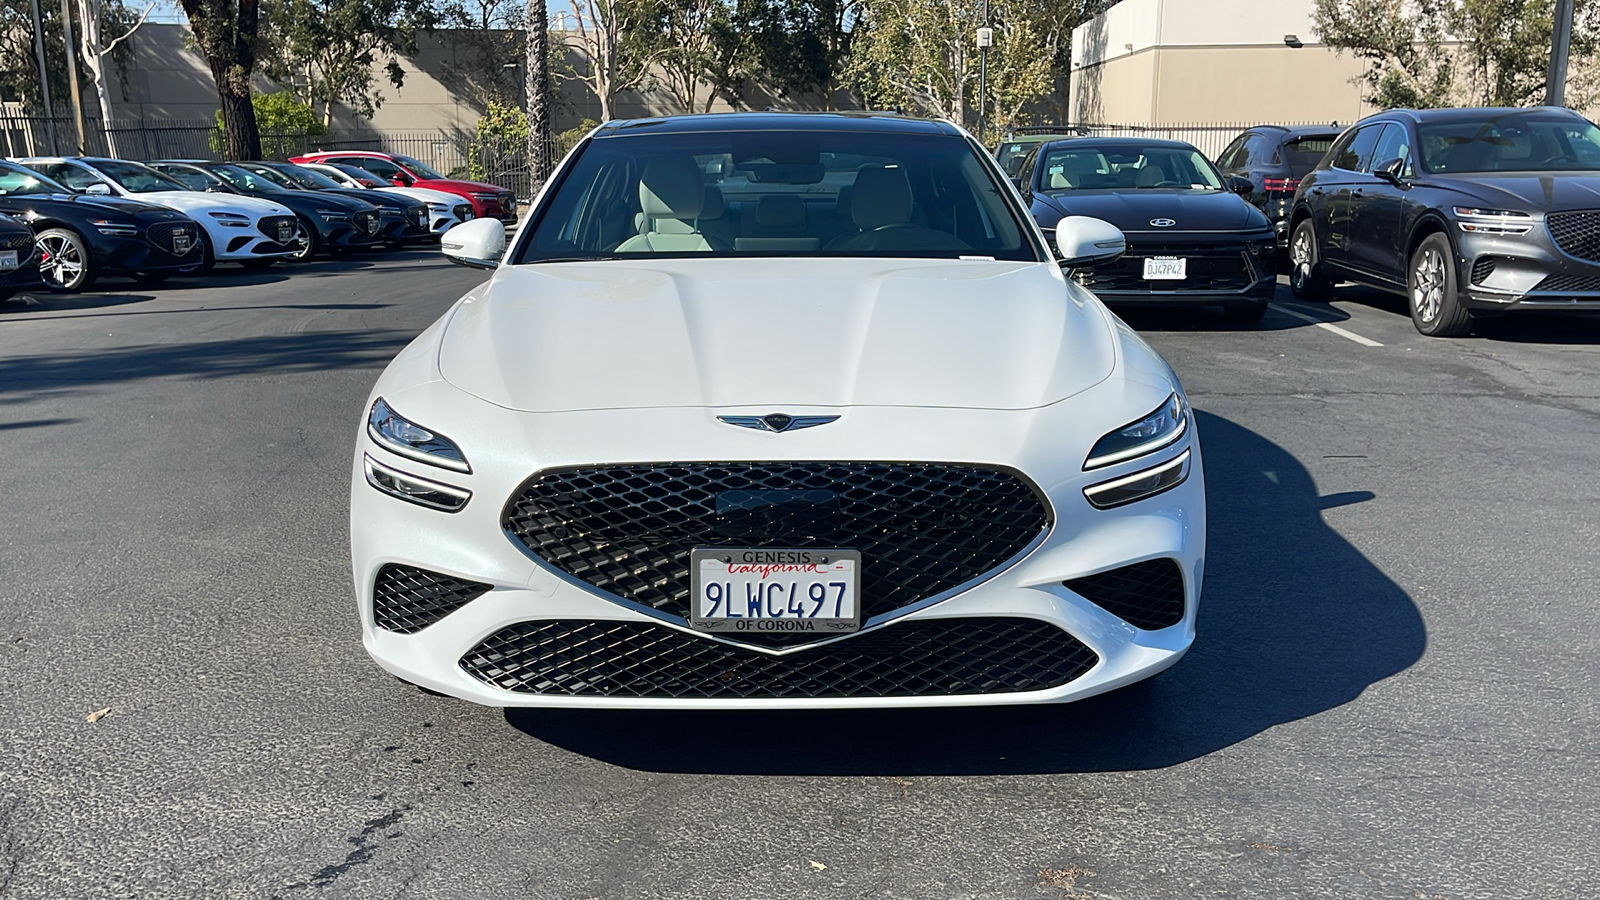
{"points": [[1287, 185]]}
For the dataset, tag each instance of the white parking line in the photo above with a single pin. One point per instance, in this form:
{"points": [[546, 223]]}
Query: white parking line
{"points": [[1364, 341]]}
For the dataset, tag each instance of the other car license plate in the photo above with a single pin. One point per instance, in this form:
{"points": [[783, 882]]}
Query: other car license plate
{"points": [[181, 242], [1165, 268], [8, 260], [285, 233], [762, 591]]}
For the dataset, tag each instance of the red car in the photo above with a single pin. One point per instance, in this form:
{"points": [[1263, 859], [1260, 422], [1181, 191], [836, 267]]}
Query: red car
{"points": [[487, 200]]}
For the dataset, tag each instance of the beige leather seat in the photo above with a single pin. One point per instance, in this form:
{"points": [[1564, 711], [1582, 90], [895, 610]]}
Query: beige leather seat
{"points": [[671, 198], [881, 206], [779, 224]]}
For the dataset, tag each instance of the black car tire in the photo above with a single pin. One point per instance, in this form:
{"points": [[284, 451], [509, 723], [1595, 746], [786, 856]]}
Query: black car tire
{"points": [[208, 260], [311, 243], [1245, 313], [1307, 280], [76, 270], [1431, 293]]}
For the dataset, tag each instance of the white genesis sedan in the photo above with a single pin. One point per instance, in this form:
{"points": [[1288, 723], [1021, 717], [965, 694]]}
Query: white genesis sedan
{"points": [[777, 411]]}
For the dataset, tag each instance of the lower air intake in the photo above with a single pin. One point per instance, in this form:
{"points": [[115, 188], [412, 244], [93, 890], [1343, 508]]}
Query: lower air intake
{"points": [[1146, 595], [406, 600], [939, 657]]}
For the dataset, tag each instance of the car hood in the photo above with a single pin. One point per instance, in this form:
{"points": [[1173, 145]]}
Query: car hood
{"points": [[775, 332], [1132, 210], [452, 184], [424, 195], [309, 201], [1531, 192], [204, 202], [361, 198], [89, 204]]}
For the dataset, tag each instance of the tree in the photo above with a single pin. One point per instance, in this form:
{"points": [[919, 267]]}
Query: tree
{"points": [[800, 46], [227, 33], [702, 46], [616, 42], [96, 19], [284, 123], [1430, 53], [325, 51]]}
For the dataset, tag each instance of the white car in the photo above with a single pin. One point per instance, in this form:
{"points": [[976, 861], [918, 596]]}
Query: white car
{"points": [[236, 228], [828, 427], [445, 211]]}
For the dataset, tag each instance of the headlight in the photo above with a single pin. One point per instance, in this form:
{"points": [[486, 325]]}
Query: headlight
{"points": [[332, 215], [1149, 434], [113, 227], [484, 197], [412, 489], [1493, 221], [232, 220], [439, 208], [1263, 245], [1139, 485], [407, 438]]}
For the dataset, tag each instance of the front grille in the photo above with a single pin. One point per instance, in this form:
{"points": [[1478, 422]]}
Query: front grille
{"points": [[1482, 268], [1146, 595], [939, 657], [419, 215], [922, 528], [20, 241], [366, 222], [407, 600], [1580, 283], [1210, 269], [1576, 233], [160, 234], [508, 201], [462, 211], [269, 227]]}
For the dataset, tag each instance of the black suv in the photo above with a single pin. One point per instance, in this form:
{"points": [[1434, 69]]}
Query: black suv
{"points": [[1464, 211], [1273, 158]]}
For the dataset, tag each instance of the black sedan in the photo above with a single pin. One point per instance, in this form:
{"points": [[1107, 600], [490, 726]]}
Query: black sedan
{"points": [[403, 221], [1273, 158], [81, 237], [19, 265], [336, 225], [1465, 212], [1192, 240]]}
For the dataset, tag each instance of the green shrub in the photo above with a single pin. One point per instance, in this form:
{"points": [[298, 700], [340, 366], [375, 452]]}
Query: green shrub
{"points": [[284, 122]]}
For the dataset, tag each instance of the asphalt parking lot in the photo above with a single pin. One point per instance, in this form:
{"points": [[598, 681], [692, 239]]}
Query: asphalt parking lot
{"points": [[1393, 693]]}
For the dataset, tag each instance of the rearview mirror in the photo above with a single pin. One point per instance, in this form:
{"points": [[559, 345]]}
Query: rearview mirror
{"points": [[1082, 241], [479, 243], [99, 189]]}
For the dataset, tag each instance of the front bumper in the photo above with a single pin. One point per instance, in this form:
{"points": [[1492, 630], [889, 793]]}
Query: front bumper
{"points": [[1221, 270], [1514, 273], [472, 545]]}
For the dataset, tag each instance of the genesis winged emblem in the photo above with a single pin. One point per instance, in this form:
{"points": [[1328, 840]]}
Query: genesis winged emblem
{"points": [[778, 422]]}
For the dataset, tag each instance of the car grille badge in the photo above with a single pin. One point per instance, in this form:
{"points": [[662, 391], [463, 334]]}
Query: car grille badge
{"points": [[1163, 223], [777, 422]]}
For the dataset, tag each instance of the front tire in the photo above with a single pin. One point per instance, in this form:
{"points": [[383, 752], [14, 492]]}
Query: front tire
{"points": [[1307, 279], [1245, 314], [307, 242], [65, 263], [1431, 291], [208, 260]]}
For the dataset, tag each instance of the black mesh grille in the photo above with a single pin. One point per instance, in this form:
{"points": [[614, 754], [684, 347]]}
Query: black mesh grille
{"points": [[161, 234], [1576, 233], [1569, 283], [1482, 268], [921, 528], [1146, 595], [269, 225], [21, 241], [940, 657], [462, 211], [1209, 269], [408, 600], [366, 221]]}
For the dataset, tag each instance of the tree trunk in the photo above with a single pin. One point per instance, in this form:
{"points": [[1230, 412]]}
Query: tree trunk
{"points": [[242, 139], [228, 42], [538, 90]]}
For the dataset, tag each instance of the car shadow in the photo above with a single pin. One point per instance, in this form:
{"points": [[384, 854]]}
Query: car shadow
{"points": [[1294, 621], [1541, 327], [30, 302]]}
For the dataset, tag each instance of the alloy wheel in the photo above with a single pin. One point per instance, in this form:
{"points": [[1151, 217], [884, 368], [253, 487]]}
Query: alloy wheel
{"points": [[1300, 256], [304, 248], [1427, 285], [61, 260]]}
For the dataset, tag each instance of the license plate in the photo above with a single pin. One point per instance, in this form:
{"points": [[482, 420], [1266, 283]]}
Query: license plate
{"points": [[771, 590], [285, 233], [466, 215], [1165, 268], [181, 242], [8, 260]]}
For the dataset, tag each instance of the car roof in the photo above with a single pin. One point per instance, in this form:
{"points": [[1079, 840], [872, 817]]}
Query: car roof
{"points": [[1121, 142], [1467, 114], [1300, 130], [777, 121]]}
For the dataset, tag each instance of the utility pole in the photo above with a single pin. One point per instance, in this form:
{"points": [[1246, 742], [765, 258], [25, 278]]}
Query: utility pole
{"points": [[1555, 90], [44, 79], [985, 38], [72, 78]]}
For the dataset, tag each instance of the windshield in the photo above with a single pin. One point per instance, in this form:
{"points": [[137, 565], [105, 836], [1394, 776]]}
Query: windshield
{"points": [[246, 179], [1301, 154], [1515, 142], [137, 178], [299, 176], [362, 176], [778, 193], [15, 181], [196, 178], [1088, 165], [419, 169]]}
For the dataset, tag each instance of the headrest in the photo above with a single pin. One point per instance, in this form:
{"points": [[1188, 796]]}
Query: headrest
{"points": [[882, 196], [781, 211], [841, 206], [1151, 175], [671, 188], [712, 207]]}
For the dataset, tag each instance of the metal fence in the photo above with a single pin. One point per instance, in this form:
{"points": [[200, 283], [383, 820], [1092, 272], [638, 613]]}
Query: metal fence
{"points": [[1208, 137]]}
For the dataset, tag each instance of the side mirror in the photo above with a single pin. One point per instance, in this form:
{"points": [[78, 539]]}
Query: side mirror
{"points": [[1389, 170], [401, 181], [99, 189], [479, 243], [1239, 185], [1082, 241]]}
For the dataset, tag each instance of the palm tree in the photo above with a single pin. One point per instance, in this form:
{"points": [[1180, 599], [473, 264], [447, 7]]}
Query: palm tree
{"points": [[538, 90]]}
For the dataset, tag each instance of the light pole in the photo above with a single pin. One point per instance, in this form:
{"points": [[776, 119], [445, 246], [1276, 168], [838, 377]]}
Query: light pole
{"points": [[985, 39], [1555, 86]]}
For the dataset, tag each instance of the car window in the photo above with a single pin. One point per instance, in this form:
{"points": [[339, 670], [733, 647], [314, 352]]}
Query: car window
{"points": [[381, 167], [1025, 174], [1228, 158], [1302, 153], [310, 179], [364, 176], [779, 193], [137, 178], [419, 169], [244, 179], [1394, 144], [1092, 165], [192, 178], [1355, 155], [1531, 141], [75, 177], [16, 181]]}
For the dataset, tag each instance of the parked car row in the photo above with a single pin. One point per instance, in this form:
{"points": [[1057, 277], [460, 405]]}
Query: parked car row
{"points": [[1464, 212], [88, 217]]}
